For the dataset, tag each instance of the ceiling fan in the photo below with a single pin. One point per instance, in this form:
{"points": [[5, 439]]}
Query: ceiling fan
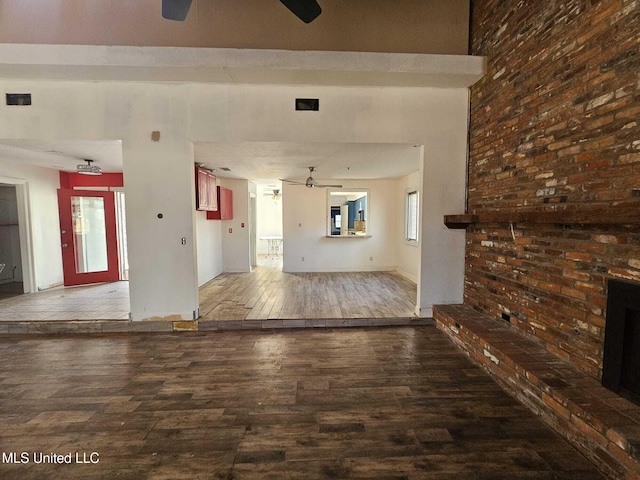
{"points": [[305, 10], [310, 182]]}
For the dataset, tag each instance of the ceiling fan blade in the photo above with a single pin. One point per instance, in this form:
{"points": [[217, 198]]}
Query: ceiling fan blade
{"points": [[305, 10], [175, 9], [291, 182], [328, 186]]}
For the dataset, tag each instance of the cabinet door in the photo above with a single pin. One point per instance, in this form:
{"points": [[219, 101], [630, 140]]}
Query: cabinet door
{"points": [[212, 194], [202, 190], [225, 205], [206, 195], [226, 199]]}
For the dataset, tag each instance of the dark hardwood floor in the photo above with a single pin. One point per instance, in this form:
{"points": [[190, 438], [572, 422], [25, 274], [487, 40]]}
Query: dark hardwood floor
{"points": [[376, 403]]}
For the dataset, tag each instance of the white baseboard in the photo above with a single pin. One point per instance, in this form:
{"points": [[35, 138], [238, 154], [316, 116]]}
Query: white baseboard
{"points": [[407, 275], [327, 269], [237, 270]]}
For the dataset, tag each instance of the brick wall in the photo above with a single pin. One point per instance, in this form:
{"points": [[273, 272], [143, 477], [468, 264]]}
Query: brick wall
{"points": [[555, 122]]}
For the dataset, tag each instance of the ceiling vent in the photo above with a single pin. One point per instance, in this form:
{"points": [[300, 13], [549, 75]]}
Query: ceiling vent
{"points": [[18, 98], [309, 104], [88, 168]]}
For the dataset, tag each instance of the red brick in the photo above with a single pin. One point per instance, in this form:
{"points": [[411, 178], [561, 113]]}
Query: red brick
{"points": [[579, 256], [556, 406], [589, 431], [630, 464], [576, 275], [574, 137]]}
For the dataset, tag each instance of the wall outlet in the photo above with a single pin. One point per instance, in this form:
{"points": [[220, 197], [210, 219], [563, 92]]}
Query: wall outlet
{"points": [[303, 259], [371, 259]]}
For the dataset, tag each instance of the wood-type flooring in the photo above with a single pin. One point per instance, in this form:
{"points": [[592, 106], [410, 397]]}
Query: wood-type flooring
{"points": [[267, 293], [102, 301], [376, 403]]}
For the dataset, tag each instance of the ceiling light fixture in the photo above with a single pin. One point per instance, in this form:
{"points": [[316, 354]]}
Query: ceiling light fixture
{"points": [[276, 194], [88, 169]]}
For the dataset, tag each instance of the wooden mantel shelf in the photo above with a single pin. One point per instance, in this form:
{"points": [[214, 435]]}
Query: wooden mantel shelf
{"points": [[625, 212], [459, 221]]}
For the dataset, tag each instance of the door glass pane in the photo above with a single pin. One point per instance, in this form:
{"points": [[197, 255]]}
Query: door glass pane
{"points": [[89, 234]]}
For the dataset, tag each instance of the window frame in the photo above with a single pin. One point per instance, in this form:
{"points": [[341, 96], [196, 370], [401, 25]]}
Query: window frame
{"points": [[408, 193], [343, 190]]}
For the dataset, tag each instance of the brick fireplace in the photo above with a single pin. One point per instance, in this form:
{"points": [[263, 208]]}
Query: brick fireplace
{"points": [[553, 211], [621, 363], [554, 168]]}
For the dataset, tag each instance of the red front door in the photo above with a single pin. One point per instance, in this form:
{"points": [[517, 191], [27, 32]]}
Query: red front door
{"points": [[88, 236]]}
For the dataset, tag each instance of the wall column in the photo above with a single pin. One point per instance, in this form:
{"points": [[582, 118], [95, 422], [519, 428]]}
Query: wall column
{"points": [[159, 189]]}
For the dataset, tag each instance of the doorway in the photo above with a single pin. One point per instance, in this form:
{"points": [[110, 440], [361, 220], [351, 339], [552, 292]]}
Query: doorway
{"points": [[88, 233], [252, 230], [121, 228], [269, 225], [11, 276]]}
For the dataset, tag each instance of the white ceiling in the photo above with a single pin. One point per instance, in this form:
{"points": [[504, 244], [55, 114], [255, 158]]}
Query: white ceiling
{"points": [[63, 154], [265, 161], [261, 162]]}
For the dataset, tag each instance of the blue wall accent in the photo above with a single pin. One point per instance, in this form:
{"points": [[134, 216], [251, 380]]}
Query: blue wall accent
{"points": [[352, 212]]}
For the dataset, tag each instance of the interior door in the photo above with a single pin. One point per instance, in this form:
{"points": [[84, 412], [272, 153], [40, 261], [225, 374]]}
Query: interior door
{"points": [[88, 236]]}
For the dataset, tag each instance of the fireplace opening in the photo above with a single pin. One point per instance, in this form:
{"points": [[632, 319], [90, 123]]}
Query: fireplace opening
{"points": [[621, 362]]}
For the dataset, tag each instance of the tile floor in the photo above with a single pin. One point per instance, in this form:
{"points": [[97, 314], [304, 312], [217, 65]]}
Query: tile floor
{"points": [[267, 293], [377, 403], [106, 301]]}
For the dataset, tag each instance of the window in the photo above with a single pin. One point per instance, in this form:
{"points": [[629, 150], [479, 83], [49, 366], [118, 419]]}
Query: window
{"points": [[348, 212], [411, 234]]}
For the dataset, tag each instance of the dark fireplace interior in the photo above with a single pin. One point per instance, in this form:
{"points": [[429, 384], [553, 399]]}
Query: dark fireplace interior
{"points": [[621, 363]]}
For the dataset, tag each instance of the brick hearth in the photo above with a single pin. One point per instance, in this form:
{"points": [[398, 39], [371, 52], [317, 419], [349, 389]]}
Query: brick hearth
{"points": [[602, 425]]}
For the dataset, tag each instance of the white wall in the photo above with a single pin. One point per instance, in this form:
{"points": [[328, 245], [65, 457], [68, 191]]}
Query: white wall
{"points": [[305, 230], [305, 223], [41, 185], [158, 179], [441, 274], [407, 254], [209, 242], [159, 175], [235, 243]]}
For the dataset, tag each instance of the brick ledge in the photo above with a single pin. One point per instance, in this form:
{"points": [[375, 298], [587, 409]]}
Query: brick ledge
{"points": [[602, 425], [53, 327]]}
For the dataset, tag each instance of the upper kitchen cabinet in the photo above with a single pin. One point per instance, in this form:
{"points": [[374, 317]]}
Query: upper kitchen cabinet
{"points": [[206, 193], [225, 205]]}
